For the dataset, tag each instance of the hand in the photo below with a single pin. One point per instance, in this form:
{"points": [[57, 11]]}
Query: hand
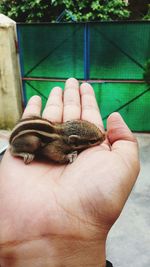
{"points": [[59, 215]]}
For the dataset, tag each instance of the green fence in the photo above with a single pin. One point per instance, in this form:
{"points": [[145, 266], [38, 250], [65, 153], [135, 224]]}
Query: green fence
{"points": [[110, 55]]}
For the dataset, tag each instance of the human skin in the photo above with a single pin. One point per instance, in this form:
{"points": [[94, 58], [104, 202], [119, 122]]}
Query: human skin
{"points": [[55, 215]]}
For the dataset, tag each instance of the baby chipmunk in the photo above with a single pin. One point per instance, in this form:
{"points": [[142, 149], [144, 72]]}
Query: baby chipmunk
{"points": [[36, 137]]}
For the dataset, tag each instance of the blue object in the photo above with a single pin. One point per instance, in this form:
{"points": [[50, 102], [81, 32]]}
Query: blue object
{"points": [[86, 52]]}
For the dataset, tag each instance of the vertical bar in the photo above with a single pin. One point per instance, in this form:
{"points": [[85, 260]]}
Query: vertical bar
{"points": [[21, 65], [86, 52]]}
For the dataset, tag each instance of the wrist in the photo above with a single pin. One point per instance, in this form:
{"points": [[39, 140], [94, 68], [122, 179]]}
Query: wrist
{"points": [[78, 253], [55, 252]]}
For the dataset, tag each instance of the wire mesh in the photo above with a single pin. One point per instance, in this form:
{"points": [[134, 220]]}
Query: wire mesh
{"points": [[116, 52]]}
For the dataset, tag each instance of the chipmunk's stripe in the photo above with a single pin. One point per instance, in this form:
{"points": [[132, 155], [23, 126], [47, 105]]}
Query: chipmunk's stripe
{"points": [[32, 124], [31, 121], [44, 136]]}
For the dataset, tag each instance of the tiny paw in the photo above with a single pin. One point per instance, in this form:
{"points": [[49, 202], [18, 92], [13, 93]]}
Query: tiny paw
{"points": [[27, 158], [72, 156]]}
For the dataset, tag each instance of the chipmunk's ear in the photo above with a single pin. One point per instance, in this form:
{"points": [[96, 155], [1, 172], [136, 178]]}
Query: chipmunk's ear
{"points": [[74, 139]]}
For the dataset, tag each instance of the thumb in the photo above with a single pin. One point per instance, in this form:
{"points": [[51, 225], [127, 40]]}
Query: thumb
{"points": [[118, 130], [124, 143]]}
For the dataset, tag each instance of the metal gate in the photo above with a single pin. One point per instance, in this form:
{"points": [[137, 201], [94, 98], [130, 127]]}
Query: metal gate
{"points": [[110, 55]]}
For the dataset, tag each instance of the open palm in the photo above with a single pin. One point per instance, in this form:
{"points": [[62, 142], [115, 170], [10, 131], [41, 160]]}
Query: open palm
{"points": [[43, 203]]}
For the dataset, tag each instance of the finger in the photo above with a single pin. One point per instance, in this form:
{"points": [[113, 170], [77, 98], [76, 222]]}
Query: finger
{"points": [[54, 106], [90, 109], [33, 107], [122, 139], [72, 106], [125, 148], [118, 130]]}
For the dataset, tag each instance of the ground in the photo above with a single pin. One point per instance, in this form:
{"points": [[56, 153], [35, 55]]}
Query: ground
{"points": [[128, 243]]}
